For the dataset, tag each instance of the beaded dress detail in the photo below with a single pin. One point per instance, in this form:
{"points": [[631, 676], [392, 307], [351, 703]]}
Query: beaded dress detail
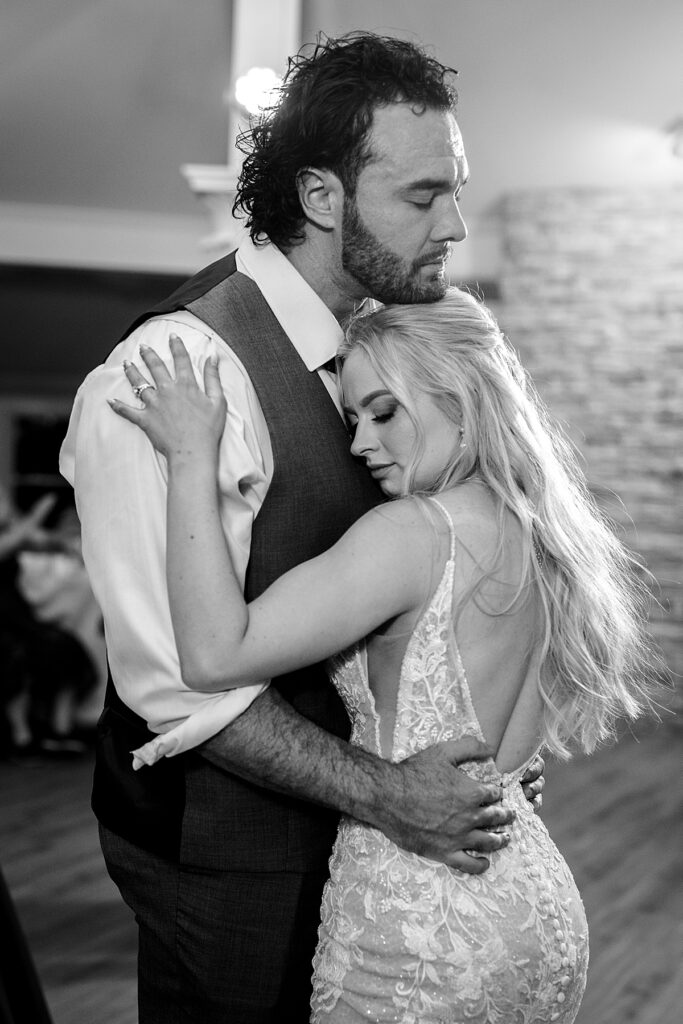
{"points": [[406, 940]]}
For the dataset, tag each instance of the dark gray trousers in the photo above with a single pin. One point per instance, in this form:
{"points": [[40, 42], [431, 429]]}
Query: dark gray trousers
{"points": [[217, 947]]}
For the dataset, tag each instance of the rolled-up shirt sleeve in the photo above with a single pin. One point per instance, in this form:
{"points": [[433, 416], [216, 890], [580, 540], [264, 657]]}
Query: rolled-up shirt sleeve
{"points": [[120, 487]]}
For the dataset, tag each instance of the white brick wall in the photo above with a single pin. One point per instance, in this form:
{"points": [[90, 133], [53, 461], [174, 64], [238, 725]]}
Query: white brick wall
{"points": [[592, 298]]}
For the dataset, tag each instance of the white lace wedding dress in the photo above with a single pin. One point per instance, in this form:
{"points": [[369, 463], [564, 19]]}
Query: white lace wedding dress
{"points": [[404, 939]]}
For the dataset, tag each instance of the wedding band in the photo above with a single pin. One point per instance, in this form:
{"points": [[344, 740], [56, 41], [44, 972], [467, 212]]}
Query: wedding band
{"points": [[137, 391]]}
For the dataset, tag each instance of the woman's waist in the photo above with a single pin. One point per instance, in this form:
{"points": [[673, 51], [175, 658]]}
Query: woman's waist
{"points": [[377, 875], [490, 770], [373, 851]]}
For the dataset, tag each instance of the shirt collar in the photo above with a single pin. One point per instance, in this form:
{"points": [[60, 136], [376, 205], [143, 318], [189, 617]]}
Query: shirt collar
{"points": [[303, 316]]}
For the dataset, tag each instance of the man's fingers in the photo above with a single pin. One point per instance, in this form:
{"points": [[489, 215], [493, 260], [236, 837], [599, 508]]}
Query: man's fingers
{"points": [[469, 748], [481, 841], [534, 769], [494, 816], [470, 865], [473, 859], [489, 793], [532, 779]]}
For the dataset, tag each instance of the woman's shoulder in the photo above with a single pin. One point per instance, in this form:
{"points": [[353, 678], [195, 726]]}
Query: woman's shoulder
{"points": [[470, 506], [403, 525], [484, 529], [470, 502], [476, 515], [412, 522], [412, 514]]}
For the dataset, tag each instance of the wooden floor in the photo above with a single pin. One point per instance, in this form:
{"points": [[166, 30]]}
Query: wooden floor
{"points": [[616, 817]]}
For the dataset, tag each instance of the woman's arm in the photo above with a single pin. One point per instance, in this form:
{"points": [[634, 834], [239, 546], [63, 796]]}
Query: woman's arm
{"points": [[380, 567], [315, 610]]}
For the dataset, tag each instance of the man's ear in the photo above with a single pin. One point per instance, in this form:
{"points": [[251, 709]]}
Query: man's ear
{"points": [[321, 195]]}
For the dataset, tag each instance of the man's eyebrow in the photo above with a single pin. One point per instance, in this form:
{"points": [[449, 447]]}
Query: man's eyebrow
{"points": [[435, 184], [366, 400], [425, 184]]}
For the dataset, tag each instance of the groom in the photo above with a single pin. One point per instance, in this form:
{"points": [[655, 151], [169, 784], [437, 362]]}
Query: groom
{"points": [[350, 188]]}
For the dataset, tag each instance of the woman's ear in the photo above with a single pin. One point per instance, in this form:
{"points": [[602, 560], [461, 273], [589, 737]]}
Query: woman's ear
{"points": [[321, 195]]}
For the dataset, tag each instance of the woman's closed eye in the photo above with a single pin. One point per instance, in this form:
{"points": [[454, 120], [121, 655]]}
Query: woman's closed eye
{"points": [[376, 417], [384, 417], [383, 409]]}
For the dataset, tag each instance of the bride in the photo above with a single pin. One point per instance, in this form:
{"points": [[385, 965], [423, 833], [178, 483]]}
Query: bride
{"points": [[488, 599]]}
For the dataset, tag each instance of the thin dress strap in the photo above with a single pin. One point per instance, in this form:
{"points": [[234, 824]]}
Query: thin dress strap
{"points": [[449, 520]]}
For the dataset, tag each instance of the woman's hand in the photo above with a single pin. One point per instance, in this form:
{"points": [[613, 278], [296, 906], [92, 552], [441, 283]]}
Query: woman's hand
{"points": [[182, 421]]}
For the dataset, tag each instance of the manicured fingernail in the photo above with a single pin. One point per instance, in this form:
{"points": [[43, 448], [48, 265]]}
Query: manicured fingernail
{"points": [[143, 347], [126, 363], [112, 402]]}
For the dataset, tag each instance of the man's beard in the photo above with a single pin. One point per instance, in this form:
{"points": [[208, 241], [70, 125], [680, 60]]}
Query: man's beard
{"points": [[383, 274]]}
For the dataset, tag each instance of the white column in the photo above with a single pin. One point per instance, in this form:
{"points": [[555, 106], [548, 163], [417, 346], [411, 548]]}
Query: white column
{"points": [[264, 34]]}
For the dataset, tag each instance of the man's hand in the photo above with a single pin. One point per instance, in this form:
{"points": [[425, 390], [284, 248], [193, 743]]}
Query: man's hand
{"points": [[441, 812], [533, 782], [425, 804]]}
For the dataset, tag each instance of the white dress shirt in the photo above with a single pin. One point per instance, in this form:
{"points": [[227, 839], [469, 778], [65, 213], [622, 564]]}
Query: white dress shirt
{"points": [[120, 486]]}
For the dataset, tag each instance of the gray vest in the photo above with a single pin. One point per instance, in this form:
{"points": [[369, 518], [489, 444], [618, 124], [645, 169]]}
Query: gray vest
{"points": [[184, 806]]}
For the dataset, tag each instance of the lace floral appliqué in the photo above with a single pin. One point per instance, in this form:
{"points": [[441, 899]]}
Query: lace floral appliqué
{"points": [[404, 939]]}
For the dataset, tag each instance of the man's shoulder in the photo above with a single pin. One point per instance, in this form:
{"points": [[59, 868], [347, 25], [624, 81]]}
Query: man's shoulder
{"points": [[188, 325], [188, 292]]}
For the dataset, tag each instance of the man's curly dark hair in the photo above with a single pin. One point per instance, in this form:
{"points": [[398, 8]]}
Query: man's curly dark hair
{"points": [[323, 117]]}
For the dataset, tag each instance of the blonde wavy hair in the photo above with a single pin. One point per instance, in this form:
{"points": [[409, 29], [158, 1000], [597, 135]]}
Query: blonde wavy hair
{"points": [[598, 663]]}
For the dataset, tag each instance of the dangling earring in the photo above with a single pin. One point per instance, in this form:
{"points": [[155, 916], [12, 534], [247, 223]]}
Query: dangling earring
{"points": [[463, 442]]}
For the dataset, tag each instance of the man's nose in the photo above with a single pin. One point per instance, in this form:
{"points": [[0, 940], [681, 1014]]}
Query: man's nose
{"points": [[451, 226]]}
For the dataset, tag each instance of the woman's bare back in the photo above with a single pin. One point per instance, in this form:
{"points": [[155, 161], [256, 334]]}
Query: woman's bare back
{"points": [[498, 629]]}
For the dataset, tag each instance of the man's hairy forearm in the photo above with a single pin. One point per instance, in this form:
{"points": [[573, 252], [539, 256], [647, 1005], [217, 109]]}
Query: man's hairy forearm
{"points": [[272, 745], [425, 803]]}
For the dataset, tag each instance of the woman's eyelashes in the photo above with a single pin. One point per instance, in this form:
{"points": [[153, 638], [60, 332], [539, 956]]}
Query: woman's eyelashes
{"points": [[384, 413], [380, 415]]}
